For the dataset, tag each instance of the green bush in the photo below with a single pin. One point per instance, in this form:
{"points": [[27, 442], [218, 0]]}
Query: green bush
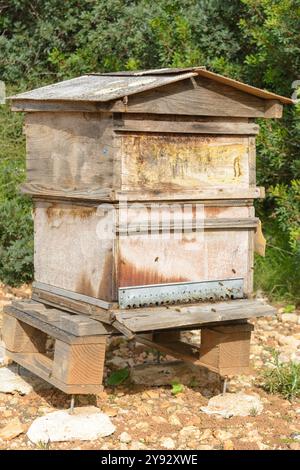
{"points": [[16, 226], [282, 378]]}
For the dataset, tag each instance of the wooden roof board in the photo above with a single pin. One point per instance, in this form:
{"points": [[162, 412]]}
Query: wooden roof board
{"points": [[100, 88], [116, 85]]}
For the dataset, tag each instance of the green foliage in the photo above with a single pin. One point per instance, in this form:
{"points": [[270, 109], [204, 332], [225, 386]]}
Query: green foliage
{"points": [[118, 377], [177, 388], [16, 227], [289, 308], [282, 378]]}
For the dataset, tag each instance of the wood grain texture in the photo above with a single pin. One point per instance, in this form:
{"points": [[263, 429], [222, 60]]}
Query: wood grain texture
{"points": [[197, 97], [72, 305], [175, 163], [226, 348], [69, 151], [170, 317], [50, 329], [22, 338], [79, 363], [71, 234], [192, 256], [41, 365], [173, 124]]}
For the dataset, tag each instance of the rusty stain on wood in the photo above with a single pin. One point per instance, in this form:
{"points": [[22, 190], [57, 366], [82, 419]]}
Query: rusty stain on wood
{"points": [[106, 281], [130, 275], [84, 285], [55, 211], [175, 162]]}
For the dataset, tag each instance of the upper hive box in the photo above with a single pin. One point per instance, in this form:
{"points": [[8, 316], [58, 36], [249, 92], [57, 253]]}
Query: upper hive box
{"points": [[184, 138]]}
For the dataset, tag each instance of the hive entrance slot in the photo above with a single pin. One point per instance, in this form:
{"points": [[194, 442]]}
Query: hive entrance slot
{"points": [[180, 292]]}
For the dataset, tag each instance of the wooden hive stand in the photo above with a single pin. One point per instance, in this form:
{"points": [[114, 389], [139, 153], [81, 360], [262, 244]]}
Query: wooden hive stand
{"points": [[76, 363]]}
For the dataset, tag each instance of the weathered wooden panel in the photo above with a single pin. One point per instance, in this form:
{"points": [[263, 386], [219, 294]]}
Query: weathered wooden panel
{"points": [[69, 250], [194, 256], [194, 96], [184, 162], [183, 124], [69, 151]]}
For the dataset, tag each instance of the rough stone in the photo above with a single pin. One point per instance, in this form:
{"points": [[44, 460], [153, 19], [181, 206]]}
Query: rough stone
{"points": [[167, 443], [174, 421], [290, 317], [11, 382], [117, 363], [13, 429], [85, 424], [4, 360], [290, 341], [189, 432], [125, 438], [233, 404]]}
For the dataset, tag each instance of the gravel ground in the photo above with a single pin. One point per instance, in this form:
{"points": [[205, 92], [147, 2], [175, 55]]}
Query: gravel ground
{"points": [[152, 418]]}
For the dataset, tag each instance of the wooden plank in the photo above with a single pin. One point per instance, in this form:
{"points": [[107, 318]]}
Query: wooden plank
{"points": [[69, 150], [46, 191], [72, 295], [41, 365], [207, 224], [183, 351], [176, 163], [252, 162], [82, 325], [132, 123], [73, 306], [149, 319], [72, 233], [20, 337], [123, 329], [200, 255], [226, 347], [80, 364], [186, 194], [75, 324], [51, 330], [273, 109], [196, 96]]}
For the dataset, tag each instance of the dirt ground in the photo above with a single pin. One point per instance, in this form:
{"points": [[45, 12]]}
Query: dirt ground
{"points": [[153, 418]]}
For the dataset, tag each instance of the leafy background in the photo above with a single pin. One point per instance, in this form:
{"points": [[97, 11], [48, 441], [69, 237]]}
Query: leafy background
{"points": [[256, 41]]}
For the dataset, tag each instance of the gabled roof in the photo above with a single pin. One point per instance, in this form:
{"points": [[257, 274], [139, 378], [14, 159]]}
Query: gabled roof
{"points": [[111, 86]]}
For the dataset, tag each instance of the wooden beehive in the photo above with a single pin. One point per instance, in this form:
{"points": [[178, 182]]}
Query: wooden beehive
{"points": [[166, 141]]}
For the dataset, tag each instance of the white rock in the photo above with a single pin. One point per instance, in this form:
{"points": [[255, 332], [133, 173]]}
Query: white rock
{"points": [[117, 362], [125, 438], [290, 317], [222, 435], [234, 404], [189, 432], [85, 424], [11, 382], [167, 443], [174, 421], [290, 341], [3, 358]]}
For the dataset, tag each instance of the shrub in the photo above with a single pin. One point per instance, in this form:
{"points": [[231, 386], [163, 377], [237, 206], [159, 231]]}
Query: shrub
{"points": [[16, 226], [282, 378]]}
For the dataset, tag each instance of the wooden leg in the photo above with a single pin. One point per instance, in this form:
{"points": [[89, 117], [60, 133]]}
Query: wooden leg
{"points": [[226, 348], [79, 364], [166, 336], [20, 337]]}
